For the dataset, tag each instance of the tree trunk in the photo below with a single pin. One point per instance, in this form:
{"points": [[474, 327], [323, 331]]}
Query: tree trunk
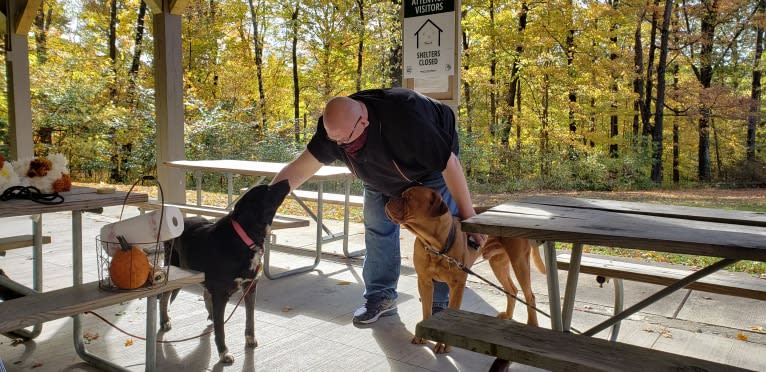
{"points": [[614, 122], [138, 47], [705, 76], [544, 166], [514, 86], [468, 123], [296, 86], [657, 145], [646, 109], [638, 81], [676, 149], [360, 47], [258, 56], [754, 117], [112, 37], [395, 55], [493, 73], [41, 33]]}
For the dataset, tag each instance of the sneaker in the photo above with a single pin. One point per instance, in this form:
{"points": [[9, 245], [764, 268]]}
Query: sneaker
{"points": [[373, 310]]}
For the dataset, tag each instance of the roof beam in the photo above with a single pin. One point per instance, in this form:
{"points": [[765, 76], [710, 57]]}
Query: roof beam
{"points": [[23, 17], [154, 5], [177, 7], [26, 18]]}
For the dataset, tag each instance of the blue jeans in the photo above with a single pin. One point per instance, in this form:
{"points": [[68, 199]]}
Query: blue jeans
{"points": [[382, 262]]}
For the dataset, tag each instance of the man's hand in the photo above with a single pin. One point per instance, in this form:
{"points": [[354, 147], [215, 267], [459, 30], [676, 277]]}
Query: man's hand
{"points": [[478, 239]]}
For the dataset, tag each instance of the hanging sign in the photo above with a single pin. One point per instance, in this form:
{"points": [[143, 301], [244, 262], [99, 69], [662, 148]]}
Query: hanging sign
{"points": [[429, 39]]}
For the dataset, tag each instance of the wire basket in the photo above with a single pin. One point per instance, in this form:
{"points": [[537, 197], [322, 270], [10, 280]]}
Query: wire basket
{"points": [[139, 265], [156, 274]]}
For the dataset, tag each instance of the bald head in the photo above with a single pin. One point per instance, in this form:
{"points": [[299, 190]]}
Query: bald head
{"points": [[340, 116]]}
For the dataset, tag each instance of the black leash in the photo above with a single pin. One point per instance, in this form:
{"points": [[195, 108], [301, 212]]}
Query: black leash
{"points": [[468, 270], [31, 193]]}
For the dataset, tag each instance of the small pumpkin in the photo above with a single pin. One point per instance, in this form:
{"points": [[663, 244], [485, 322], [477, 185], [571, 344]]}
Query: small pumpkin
{"points": [[129, 268]]}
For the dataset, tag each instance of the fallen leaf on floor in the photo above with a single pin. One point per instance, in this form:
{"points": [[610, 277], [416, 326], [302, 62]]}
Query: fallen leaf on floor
{"points": [[121, 313], [342, 282], [17, 341], [758, 329], [741, 336], [587, 307], [129, 342], [37, 364], [665, 333], [286, 309], [90, 336], [707, 297], [648, 330]]}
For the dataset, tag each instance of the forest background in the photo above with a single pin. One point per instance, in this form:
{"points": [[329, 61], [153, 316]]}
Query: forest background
{"points": [[567, 95]]}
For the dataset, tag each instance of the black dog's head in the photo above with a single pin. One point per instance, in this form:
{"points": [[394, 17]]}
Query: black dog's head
{"points": [[256, 209]]}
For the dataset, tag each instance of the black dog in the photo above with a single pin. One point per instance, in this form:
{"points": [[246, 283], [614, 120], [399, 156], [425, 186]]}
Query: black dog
{"points": [[230, 259]]}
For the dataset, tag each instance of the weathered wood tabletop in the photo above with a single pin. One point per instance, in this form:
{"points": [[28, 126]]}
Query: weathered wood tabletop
{"points": [[628, 225], [78, 199], [256, 168]]}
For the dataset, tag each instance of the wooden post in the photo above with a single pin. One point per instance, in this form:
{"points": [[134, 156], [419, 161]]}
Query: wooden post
{"points": [[19, 97], [168, 77]]}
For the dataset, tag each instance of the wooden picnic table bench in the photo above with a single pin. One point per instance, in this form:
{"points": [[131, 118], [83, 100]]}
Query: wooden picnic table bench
{"points": [[549, 349], [34, 308], [20, 241], [280, 222]]}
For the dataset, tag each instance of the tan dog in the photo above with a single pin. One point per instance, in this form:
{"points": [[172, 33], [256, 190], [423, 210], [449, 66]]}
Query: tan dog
{"points": [[422, 211]]}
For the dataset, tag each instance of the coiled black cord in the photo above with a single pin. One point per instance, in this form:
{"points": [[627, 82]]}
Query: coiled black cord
{"points": [[31, 193]]}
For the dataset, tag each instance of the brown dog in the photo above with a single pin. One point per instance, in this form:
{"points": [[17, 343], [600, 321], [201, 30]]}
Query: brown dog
{"points": [[422, 211]]}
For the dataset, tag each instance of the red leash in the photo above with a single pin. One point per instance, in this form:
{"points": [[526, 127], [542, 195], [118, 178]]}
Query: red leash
{"points": [[244, 293]]}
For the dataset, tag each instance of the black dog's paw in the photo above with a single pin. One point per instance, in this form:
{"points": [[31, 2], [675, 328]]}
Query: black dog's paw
{"points": [[226, 358], [251, 341], [165, 326]]}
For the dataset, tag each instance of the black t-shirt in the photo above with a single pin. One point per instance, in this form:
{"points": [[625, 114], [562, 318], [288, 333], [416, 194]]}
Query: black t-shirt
{"points": [[409, 137]]}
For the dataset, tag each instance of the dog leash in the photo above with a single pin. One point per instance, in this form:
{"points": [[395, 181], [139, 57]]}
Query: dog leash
{"points": [[244, 293], [468, 270]]}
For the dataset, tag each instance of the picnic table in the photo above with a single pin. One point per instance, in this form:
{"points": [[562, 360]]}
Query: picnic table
{"points": [[263, 170], [729, 235], [37, 306]]}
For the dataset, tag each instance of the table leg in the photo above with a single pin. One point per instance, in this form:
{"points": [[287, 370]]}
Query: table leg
{"points": [[571, 288], [151, 333], [346, 253], [37, 275], [198, 186], [79, 344], [553, 286], [319, 240], [693, 277]]}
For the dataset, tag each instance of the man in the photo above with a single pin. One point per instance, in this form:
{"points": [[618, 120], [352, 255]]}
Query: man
{"points": [[391, 139]]}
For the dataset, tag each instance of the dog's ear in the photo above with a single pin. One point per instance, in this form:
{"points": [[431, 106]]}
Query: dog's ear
{"points": [[438, 206], [395, 210]]}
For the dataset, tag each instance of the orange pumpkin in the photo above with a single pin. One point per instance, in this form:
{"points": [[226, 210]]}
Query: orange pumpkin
{"points": [[129, 268]]}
